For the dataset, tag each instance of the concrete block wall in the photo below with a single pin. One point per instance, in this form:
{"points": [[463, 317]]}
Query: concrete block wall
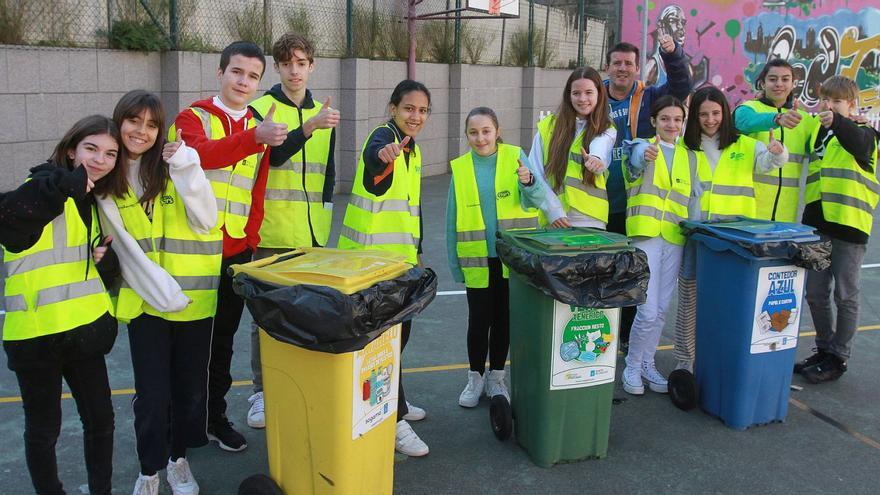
{"points": [[43, 91]]}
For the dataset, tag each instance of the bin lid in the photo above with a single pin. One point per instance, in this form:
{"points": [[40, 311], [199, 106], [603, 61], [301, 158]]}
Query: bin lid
{"points": [[345, 270], [572, 240], [755, 231]]}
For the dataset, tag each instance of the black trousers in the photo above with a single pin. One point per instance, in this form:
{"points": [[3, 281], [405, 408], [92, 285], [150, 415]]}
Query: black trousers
{"points": [[170, 362], [76, 356], [226, 321], [617, 224], [402, 408], [489, 321]]}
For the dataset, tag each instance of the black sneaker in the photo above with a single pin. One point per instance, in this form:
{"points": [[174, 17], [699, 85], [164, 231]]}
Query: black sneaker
{"points": [[829, 369], [227, 438], [817, 357]]}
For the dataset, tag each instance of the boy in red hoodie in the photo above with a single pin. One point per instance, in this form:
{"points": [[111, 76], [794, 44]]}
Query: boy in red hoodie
{"points": [[232, 149]]}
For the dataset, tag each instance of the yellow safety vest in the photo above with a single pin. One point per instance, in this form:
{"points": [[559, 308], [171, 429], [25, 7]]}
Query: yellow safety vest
{"points": [[294, 205], [589, 200], [232, 185], [471, 245], [388, 222], [777, 193], [848, 193], [731, 190], [54, 286], [192, 259], [656, 203]]}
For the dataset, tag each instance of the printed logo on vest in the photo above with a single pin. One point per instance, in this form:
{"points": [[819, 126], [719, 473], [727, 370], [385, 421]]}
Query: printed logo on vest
{"points": [[737, 155], [503, 194], [167, 200]]}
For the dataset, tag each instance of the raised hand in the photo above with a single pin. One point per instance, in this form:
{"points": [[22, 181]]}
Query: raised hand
{"points": [[171, 147], [391, 151], [791, 118], [774, 146], [100, 251], [826, 118], [327, 118], [592, 163], [667, 44], [271, 132], [525, 175], [651, 152]]}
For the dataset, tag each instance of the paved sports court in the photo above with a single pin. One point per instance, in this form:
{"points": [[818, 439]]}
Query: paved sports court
{"points": [[830, 442]]}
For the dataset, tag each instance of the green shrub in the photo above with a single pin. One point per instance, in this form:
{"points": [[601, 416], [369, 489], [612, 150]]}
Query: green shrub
{"points": [[473, 43], [13, 21], [438, 38], [142, 36], [298, 21], [248, 25], [517, 52]]}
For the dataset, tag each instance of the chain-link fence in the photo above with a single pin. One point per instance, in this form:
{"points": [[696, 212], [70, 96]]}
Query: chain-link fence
{"points": [[548, 31]]}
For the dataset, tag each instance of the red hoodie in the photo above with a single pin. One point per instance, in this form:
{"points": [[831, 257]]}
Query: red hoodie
{"points": [[238, 144]]}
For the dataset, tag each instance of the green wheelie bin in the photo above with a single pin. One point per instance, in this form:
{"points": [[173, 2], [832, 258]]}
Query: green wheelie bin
{"points": [[566, 290]]}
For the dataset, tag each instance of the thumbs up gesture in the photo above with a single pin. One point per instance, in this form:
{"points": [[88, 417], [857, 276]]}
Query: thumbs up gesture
{"points": [[667, 44], [271, 132], [791, 118], [826, 118], [525, 175], [391, 151], [327, 118], [774, 146], [651, 152], [171, 147]]}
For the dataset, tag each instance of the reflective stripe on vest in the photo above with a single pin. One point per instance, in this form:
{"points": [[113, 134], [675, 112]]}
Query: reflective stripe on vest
{"points": [[656, 203], [388, 222], [732, 190], [232, 185], [192, 259], [471, 245], [777, 193], [54, 286], [586, 199], [294, 203], [849, 194]]}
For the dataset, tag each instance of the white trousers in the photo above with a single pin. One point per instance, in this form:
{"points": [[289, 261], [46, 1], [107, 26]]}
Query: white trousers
{"points": [[664, 260]]}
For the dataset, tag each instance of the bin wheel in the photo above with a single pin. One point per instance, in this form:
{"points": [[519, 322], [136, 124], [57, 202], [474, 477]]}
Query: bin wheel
{"points": [[259, 484], [501, 417], [683, 389]]}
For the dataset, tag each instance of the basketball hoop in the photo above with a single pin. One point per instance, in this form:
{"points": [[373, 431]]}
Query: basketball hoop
{"points": [[494, 7]]}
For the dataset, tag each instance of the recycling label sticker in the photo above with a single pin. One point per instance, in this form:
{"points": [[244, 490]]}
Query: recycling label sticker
{"points": [[584, 346], [778, 306], [376, 377]]}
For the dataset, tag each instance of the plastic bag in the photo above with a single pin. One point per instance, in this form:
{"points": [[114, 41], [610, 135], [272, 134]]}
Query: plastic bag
{"points": [[323, 319], [812, 255], [590, 280]]}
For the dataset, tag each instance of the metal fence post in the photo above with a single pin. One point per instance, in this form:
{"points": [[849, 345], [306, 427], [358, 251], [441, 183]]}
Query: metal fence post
{"points": [[581, 32], [457, 55], [531, 33], [349, 36], [172, 24], [503, 28]]}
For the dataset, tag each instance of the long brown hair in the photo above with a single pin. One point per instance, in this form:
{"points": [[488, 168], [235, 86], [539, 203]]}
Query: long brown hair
{"points": [[563, 131], [153, 174], [114, 183]]}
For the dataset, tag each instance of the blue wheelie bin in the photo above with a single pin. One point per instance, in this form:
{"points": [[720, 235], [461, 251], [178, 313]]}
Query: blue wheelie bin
{"points": [[750, 284]]}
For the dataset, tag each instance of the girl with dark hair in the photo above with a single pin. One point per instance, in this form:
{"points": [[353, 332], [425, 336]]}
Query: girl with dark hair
{"points": [[573, 149], [169, 250], [59, 321], [384, 211], [777, 194], [659, 177], [491, 190], [726, 189]]}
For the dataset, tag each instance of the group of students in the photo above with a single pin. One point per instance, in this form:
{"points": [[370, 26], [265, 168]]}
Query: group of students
{"points": [[123, 224]]}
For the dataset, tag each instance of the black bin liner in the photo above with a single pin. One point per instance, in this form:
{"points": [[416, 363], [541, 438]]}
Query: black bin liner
{"points": [[594, 279], [323, 319], [812, 255]]}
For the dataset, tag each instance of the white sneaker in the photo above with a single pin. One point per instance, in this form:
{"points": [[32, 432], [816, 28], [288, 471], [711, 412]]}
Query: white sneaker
{"points": [[495, 384], [256, 416], [180, 478], [470, 396], [656, 381], [632, 381], [685, 364], [414, 413], [146, 485], [407, 442]]}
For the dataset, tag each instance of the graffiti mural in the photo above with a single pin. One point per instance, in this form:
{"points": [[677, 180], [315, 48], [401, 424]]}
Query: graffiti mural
{"points": [[727, 42]]}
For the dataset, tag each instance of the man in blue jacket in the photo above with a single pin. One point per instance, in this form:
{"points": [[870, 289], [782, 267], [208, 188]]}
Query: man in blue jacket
{"points": [[630, 101]]}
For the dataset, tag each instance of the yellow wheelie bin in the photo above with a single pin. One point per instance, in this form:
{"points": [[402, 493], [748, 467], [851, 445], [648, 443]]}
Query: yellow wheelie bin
{"points": [[330, 412]]}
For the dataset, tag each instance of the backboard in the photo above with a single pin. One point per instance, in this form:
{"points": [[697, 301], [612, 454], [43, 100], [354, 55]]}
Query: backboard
{"points": [[507, 8]]}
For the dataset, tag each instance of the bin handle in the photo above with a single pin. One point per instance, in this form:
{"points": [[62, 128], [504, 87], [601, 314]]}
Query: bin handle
{"points": [[233, 270]]}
